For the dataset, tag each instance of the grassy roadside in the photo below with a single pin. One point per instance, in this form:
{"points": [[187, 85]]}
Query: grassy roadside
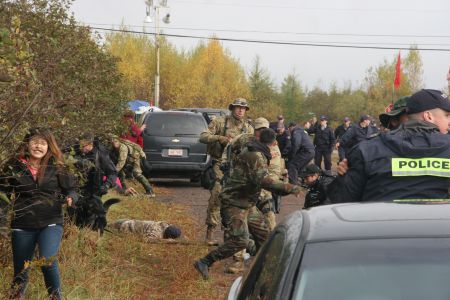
{"points": [[124, 266]]}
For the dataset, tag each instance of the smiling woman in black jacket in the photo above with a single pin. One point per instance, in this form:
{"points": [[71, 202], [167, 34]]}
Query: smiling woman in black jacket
{"points": [[39, 185]]}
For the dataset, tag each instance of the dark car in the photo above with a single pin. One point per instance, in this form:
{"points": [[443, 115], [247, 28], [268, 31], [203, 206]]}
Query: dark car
{"points": [[208, 113], [371, 251], [171, 144]]}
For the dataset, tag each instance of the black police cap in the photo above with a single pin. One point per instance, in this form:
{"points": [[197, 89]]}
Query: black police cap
{"points": [[427, 99]]}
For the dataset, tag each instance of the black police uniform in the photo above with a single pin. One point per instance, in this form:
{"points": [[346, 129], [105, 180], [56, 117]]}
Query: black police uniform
{"points": [[301, 153], [338, 133], [324, 141], [356, 134], [412, 162], [284, 143]]}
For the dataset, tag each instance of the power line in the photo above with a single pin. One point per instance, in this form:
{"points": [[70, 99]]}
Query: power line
{"points": [[273, 42], [279, 32]]}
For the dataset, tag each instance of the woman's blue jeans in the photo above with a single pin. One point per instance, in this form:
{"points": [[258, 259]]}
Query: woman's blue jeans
{"points": [[48, 240]]}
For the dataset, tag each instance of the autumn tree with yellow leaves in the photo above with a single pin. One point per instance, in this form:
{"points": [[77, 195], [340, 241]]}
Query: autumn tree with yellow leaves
{"points": [[207, 76]]}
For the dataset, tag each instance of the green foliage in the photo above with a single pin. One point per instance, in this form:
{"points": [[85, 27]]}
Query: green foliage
{"points": [[58, 75], [264, 96], [293, 98]]}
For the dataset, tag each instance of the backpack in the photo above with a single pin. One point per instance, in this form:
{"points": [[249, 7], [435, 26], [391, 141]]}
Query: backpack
{"points": [[208, 177]]}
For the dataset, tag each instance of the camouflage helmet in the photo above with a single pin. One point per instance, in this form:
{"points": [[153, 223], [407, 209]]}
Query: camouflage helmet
{"points": [[261, 123], [239, 102]]}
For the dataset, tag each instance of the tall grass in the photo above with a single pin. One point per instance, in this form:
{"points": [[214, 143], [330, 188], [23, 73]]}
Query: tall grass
{"points": [[124, 266]]}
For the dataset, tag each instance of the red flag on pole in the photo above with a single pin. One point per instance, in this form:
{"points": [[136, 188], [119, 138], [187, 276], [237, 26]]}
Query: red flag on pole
{"points": [[397, 72]]}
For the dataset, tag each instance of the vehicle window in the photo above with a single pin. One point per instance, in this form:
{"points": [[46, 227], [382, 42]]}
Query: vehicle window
{"points": [[266, 270], [174, 125], [394, 269]]}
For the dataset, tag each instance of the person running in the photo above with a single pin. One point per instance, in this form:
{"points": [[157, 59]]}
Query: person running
{"points": [[38, 181], [239, 196]]}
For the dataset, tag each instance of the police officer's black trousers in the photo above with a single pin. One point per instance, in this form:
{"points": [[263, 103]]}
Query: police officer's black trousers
{"points": [[326, 154], [296, 164], [341, 153]]}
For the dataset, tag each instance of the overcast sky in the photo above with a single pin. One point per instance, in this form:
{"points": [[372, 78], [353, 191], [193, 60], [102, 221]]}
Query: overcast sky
{"points": [[385, 23]]}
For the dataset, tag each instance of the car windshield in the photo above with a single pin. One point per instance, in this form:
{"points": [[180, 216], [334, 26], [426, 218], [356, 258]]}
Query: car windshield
{"points": [[377, 269], [174, 125]]}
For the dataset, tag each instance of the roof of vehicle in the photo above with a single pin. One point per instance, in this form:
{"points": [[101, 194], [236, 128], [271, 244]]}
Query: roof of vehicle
{"points": [[199, 109], [176, 112], [377, 220]]}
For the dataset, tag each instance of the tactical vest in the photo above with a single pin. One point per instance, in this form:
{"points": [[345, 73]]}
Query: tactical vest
{"points": [[216, 149], [134, 150]]}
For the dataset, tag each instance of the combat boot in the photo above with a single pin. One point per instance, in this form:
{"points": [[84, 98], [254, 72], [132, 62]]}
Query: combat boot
{"points": [[202, 268], [209, 240]]}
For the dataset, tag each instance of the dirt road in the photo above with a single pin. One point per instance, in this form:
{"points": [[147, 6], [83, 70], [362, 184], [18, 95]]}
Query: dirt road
{"points": [[190, 194]]}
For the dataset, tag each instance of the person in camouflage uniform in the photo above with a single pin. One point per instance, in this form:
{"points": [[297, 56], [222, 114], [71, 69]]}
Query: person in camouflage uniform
{"points": [[238, 202], [150, 230], [128, 153], [277, 168], [231, 152], [219, 133], [277, 171]]}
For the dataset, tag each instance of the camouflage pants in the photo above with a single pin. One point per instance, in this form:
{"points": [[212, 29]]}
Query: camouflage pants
{"points": [[270, 220], [239, 224], [265, 206], [213, 211], [137, 174]]}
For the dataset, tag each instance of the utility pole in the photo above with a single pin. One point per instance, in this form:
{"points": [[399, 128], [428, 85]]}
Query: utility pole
{"points": [[156, 7]]}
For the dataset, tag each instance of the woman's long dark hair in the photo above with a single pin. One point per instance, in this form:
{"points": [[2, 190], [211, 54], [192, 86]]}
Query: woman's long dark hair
{"points": [[53, 152]]}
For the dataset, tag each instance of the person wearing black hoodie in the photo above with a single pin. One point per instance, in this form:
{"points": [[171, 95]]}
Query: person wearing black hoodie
{"points": [[411, 162], [239, 196]]}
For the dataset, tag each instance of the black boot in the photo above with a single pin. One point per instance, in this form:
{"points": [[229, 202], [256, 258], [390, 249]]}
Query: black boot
{"points": [[202, 266]]}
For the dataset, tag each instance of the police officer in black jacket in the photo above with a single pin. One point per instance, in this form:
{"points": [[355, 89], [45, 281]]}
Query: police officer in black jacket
{"points": [[301, 151], [411, 162], [357, 133], [338, 133], [324, 142]]}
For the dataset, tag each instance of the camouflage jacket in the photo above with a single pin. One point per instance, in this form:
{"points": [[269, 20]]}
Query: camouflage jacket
{"points": [[150, 230], [276, 165], [127, 153], [223, 126], [249, 175], [277, 169]]}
